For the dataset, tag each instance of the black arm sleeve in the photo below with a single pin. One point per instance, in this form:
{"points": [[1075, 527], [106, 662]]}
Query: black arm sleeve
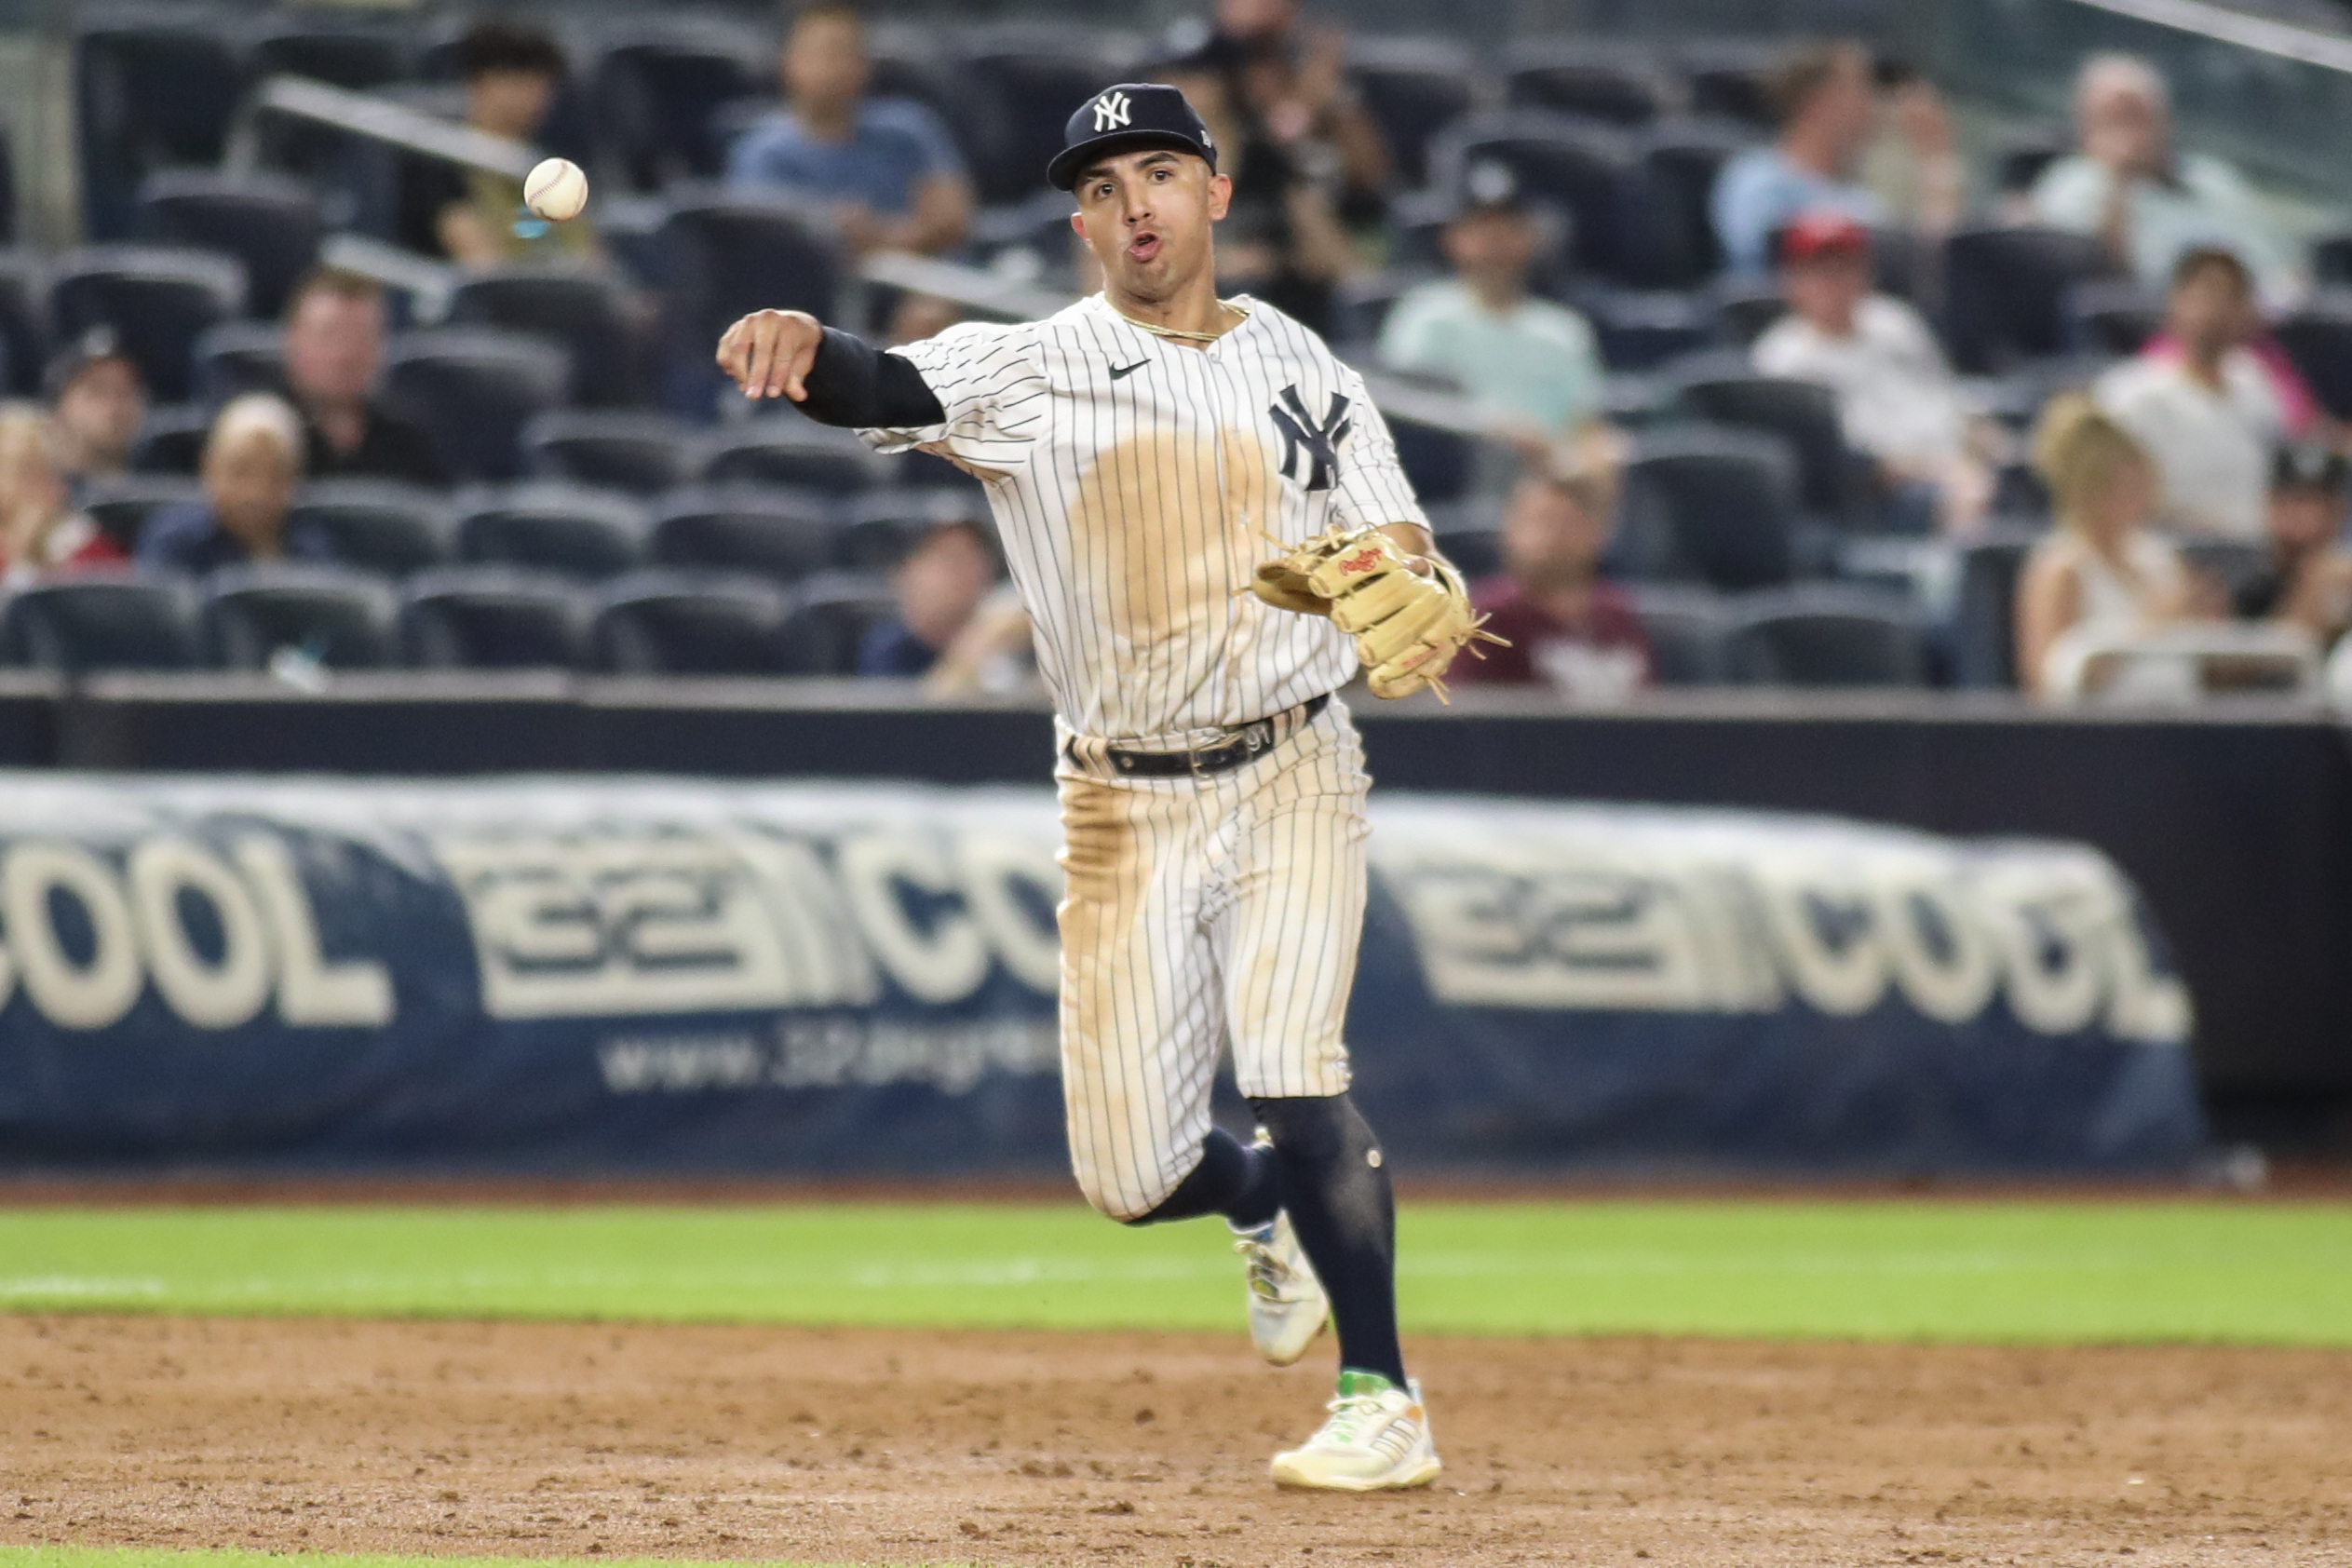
{"points": [[854, 384]]}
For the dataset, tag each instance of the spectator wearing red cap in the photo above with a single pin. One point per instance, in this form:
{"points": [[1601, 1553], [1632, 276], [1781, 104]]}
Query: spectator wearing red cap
{"points": [[1896, 397]]}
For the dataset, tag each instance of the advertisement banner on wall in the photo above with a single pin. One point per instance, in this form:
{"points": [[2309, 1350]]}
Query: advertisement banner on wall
{"points": [[562, 975]]}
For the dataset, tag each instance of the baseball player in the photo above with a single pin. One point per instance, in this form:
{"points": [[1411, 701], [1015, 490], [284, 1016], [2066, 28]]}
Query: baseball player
{"points": [[1205, 520]]}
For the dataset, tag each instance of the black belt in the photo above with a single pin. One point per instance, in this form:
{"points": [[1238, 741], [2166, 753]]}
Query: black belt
{"points": [[1247, 741]]}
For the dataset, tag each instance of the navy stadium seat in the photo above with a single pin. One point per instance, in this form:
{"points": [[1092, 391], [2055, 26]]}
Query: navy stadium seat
{"points": [[159, 299], [1708, 504], [343, 620], [1598, 80], [720, 257], [1030, 80], [171, 440], [2005, 292], [1639, 330], [588, 313], [341, 54], [676, 623], [551, 527], [102, 620], [830, 620], [475, 388], [8, 190], [1412, 88], [1680, 160], [878, 529], [268, 221], [378, 525], [154, 87], [1584, 169], [1442, 463], [785, 534], [786, 448], [2318, 337], [493, 618], [644, 453], [1745, 308], [1817, 635], [2110, 316], [25, 331], [1804, 414], [239, 357], [1982, 631], [1687, 628], [657, 83], [2018, 161], [121, 504], [1731, 77]]}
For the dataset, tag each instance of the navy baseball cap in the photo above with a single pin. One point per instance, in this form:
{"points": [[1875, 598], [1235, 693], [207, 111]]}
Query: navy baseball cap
{"points": [[1126, 116]]}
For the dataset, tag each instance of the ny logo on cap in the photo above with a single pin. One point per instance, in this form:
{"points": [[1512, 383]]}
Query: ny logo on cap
{"points": [[1303, 434], [1112, 111]]}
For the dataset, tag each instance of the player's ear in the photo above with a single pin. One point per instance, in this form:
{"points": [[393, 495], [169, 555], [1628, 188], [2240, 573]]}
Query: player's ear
{"points": [[1220, 195]]}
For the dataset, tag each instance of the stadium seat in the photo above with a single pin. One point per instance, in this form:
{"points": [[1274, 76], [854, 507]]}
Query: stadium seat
{"points": [[2005, 291], [1825, 636], [269, 222], [154, 87], [1361, 306], [878, 529], [1731, 77], [2018, 161], [1412, 88], [25, 331], [1476, 551], [2234, 563], [676, 623], [1442, 463], [493, 618], [1680, 160], [1639, 330], [8, 190], [1626, 86], [341, 54], [159, 299], [720, 257], [122, 505], [102, 620], [785, 534], [171, 440], [1981, 633], [1744, 309], [343, 620], [830, 620], [1804, 414], [1586, 169], [586, 313], [644, 453], [239, 357], [2331, 261], [655, 85], [475, 388], [2318, 337], [377, 525], [1029, 80], [1687, 628], [1709, 504], [2110, 315], [788, 449], [553, 527]]}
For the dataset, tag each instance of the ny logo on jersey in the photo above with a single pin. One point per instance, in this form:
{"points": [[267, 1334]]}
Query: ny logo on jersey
{"points": [[1319, 443], [1112, 111]]}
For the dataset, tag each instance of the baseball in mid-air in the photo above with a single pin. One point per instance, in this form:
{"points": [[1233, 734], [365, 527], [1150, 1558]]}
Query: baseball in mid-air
{"points": [[555, 189]]}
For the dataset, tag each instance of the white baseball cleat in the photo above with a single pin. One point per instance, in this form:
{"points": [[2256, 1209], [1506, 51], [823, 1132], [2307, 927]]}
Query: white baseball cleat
{"points": [[1375, 1440], [1288, 1307]]}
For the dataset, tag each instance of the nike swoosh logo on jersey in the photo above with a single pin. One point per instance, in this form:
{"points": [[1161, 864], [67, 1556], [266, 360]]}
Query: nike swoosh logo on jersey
{"points": [[1120, 373]]}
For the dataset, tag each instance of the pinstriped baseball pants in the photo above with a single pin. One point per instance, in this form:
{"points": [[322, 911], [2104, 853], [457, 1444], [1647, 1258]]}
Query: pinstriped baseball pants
{"points": [[1199, 913]]}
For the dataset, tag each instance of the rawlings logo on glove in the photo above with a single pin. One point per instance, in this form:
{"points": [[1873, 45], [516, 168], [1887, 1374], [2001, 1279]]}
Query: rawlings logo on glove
{"points": [[1407, 627]]}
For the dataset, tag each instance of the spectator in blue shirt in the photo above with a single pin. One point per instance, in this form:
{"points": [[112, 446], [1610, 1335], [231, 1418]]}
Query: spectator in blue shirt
{"points": [[940, 586], [253, 461], [1827, 108], [886, 165]]}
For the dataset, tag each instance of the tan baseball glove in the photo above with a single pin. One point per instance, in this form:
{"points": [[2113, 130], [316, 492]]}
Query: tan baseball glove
{"points": [[1407, 627]]}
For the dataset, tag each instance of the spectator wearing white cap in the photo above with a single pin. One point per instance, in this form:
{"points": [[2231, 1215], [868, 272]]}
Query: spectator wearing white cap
{"points": [[1530, 364], [2133, 188], [253, 461]]}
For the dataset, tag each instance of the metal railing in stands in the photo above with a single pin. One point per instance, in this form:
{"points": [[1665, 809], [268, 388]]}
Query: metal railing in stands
{"points": [[428, 281]]}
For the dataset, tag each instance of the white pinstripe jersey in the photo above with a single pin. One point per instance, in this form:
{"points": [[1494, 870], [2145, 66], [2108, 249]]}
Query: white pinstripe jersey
{"points": [[1134, 482]]}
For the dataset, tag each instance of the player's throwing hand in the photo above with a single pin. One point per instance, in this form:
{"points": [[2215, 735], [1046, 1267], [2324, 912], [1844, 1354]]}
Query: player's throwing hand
{"points": [[769, 352]]}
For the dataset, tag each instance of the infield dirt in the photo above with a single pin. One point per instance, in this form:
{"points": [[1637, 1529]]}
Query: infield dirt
{"points": [[902, 1447]]}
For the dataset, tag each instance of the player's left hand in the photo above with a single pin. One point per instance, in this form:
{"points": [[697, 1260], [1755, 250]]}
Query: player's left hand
{"points": [[1408, 614]]}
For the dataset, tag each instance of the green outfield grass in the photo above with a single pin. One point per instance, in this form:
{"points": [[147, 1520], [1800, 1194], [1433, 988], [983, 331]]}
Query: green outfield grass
{"points": [[2054, 1272], [165, 1557]]}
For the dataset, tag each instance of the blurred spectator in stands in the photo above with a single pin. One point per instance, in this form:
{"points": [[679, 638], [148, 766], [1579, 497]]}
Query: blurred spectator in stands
{"points": [[512, 71], [888, 165], [1827, 108], [2100, 572], [940, 586], [2149, 201], [1290, 81], [2307, 580], [1567, 627], [1913, 165], [98, 402], [40, 529], [253, 461], [1895, 396], [1532, 365], [334, 345], [2204, 409]]}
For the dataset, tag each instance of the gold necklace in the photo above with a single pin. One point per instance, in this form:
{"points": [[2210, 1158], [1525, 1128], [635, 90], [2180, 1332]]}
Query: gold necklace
{"points": [[1178, 332]]}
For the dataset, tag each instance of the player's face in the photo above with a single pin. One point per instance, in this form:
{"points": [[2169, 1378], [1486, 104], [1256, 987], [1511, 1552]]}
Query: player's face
{"points": [[1146, 217]]}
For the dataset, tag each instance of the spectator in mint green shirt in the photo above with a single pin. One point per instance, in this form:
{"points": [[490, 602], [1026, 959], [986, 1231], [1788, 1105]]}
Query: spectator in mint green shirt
{"points": [[1530, 364]]}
